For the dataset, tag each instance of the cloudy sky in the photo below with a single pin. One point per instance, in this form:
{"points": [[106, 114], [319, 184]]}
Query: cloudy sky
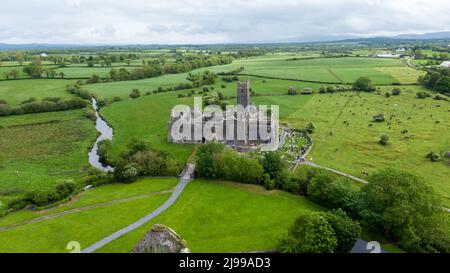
{"points": [[213, 21]]}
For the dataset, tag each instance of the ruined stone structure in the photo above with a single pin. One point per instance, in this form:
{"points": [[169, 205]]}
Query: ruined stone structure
{"points": [[161, 239], [229, 129]]}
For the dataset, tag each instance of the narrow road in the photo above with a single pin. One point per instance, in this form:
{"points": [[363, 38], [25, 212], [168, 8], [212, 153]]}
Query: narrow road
{"points": [[185, 177]]}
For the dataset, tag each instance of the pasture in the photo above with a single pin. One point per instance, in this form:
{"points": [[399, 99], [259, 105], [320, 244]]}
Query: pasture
{"points": [[91, 216], [40, 150], [16, 91], [346, 138]]}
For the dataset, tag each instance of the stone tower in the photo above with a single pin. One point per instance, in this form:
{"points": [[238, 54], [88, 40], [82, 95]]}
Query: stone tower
{"points": [[243, 93]]}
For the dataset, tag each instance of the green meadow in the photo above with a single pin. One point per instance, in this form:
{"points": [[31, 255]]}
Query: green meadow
{"points": [[16, 91], [354, 148]]}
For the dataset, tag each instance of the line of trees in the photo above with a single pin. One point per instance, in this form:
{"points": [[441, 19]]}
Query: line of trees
{"points": [[45, 105]]}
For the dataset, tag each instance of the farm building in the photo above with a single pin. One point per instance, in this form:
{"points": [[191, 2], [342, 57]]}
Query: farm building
{"points": [[445, 64], [44, 55], [387, 55], [401, 49]]}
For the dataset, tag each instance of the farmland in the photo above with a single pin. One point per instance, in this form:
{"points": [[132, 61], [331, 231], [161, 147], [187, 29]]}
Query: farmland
{"points": [[41, 150]]}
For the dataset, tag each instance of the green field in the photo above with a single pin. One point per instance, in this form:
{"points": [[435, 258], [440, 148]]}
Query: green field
{"points": [[234, 217], [93, 215], [16, 91], [355, 148], [39, 150], [346, 70], [217, 216]]}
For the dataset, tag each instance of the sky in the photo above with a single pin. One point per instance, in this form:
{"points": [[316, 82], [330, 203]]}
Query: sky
{"points": [[213, 21]]}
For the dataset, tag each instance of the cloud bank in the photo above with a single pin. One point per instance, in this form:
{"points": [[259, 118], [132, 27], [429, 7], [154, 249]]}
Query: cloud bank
{"points": [[202, 21]]}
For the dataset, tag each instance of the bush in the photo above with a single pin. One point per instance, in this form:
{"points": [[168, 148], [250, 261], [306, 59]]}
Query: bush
{"points": [[396, 91], [384, 139], [422, 95], [307, 91], [387, 94], [310, 128], [292, 91], [378, 117], [433, 157], [135, 94], [90, 113], [3, 101]]}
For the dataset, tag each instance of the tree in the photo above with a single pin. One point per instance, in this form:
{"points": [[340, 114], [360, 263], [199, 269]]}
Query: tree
{"points": [[405, 208], [346, 229], [311, 233], [384, 139], [273, 165], [34, 69], [443, 84], [363, 84]]}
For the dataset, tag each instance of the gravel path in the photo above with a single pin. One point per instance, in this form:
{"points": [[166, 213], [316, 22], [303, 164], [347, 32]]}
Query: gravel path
{"points": [[185, 177]]}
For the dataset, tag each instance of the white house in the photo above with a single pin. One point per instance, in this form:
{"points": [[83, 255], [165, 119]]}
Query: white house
{"points": [[44, 55], [445, 64], [401, 49]]}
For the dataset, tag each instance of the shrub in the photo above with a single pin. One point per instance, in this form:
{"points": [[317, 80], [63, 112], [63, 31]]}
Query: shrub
{"points": [[378, 117], [310, 128], [307, 91], [292, 91], [433, 157], [396, 91], [89, 113], [422, 95], [384, 139], [135, 94], [387, 94]]}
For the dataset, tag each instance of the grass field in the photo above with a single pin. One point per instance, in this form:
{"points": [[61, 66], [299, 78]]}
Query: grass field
{"points": [[39, 150], [354, 148], [87, 72], [16, 91], [225, 217], [144, 118], [381, 71], [92, 216]]}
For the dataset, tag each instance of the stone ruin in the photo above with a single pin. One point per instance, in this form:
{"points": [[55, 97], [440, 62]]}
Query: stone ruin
{"points": [[161, 239]]}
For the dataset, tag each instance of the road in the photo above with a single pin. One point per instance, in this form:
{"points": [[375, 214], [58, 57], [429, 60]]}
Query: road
{"points": [[185, 177]]}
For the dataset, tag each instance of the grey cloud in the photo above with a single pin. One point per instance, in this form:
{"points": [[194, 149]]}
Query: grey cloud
{"points": [[203, 21]]}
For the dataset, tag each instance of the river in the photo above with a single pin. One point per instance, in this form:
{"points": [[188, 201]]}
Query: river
{"points": [[106, 132]]}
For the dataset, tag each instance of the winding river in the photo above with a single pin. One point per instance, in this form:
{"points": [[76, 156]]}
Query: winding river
{"points": [[106, 132]]}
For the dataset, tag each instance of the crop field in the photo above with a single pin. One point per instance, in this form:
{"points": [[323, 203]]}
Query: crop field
{"points": [[354, 148], [16, 91], [39, 150]]}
